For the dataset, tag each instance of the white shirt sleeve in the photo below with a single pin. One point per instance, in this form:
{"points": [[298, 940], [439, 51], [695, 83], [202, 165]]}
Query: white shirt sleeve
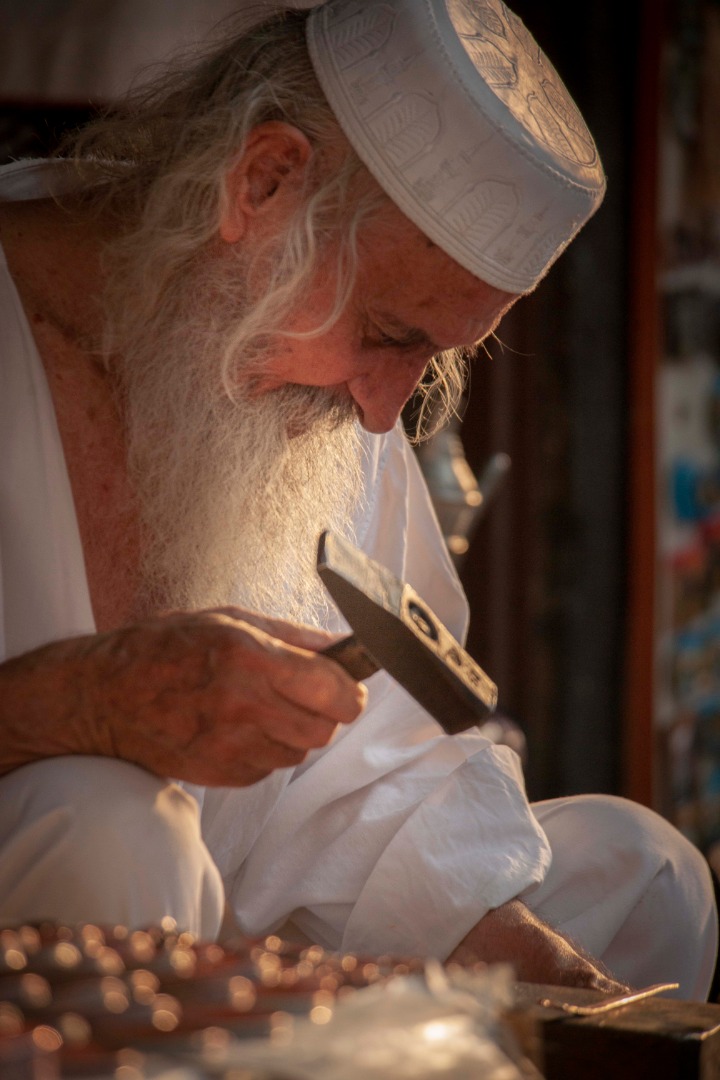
{"points": [[44, 594], [395, 838]]}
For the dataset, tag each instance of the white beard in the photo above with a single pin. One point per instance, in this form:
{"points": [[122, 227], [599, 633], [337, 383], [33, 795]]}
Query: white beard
{"points": [[231, 505]]}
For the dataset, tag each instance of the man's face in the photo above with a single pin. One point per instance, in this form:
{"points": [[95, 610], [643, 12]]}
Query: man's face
{"points": [[411, 301], [220, 479]]}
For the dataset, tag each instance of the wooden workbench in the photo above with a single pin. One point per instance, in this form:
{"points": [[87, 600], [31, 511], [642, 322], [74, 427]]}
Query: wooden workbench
{"points": [[655, 1039]]}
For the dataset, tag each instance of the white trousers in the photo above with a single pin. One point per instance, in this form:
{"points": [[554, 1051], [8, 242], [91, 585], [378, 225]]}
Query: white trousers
{"points": [[71, 833], [624, 884], [629, 889]]}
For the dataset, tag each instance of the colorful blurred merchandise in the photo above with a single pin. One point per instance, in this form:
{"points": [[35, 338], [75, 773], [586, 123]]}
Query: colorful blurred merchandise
{"points": [[696, 490], [696, 661], [686, 569], [694, 771]]}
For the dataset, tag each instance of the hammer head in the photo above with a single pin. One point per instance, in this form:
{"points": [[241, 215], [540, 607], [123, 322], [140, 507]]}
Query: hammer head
{"points": [[394, 629]]}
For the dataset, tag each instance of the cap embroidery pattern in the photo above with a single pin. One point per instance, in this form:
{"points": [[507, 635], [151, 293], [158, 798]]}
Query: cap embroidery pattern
{"points": [[460, 117]]}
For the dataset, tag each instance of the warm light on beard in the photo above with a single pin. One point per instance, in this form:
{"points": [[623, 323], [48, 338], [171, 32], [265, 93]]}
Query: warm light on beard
{"points": [[232, 494]]}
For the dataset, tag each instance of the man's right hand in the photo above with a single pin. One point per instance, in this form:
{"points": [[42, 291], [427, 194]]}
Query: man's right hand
{"points": [[219, 697]]}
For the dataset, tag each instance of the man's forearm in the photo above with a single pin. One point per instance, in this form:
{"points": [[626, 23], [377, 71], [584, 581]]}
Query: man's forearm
{"points": [[220, 697], [512, 934], [38, 699]]}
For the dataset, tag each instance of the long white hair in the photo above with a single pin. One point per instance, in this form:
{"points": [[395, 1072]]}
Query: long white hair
{"points": [[159, 163], [231, 488]]}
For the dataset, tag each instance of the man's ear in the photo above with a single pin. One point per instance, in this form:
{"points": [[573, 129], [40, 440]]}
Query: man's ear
{"points": [[265, 177]]}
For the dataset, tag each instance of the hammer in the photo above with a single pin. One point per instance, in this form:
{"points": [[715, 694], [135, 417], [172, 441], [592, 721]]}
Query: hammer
{"points": [[394, 629]]}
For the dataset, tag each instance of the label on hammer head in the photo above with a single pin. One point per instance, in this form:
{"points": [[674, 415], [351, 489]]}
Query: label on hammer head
{"points": [[404, 636]]}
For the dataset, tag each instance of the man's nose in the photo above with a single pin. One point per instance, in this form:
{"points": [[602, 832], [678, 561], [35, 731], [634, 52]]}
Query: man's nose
{"points": [[381, 394]]}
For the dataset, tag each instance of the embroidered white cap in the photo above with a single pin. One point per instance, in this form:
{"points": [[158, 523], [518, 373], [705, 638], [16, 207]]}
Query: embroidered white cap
{"points": [[462, 119]]}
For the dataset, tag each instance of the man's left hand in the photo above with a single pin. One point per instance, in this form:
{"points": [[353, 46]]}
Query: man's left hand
{"points": [[512, 934]]}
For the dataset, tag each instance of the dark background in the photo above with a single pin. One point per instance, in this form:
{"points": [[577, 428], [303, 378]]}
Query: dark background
{"points": [[547, 573]]}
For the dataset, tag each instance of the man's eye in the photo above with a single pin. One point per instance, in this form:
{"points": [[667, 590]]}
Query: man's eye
{"points": [[378, 339], [389, 342]]}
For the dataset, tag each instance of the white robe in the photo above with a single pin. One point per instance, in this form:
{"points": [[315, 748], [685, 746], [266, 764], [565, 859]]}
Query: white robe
{"points": [[395, 838]]}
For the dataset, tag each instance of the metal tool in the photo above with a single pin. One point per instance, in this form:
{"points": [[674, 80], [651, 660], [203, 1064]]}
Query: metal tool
{"points": [[394, 629], [607, 1004]]}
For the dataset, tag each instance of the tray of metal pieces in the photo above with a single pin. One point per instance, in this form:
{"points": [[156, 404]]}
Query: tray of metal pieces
{"points": [[87, 1001], [84, 1001]]}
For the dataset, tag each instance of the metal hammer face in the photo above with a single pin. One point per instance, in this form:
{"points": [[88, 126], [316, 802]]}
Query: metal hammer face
{"points": [[394, 629]]}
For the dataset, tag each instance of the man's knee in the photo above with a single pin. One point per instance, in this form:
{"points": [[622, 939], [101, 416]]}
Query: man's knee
{"points": [[96, 839], [605, 835], [630, 888]]}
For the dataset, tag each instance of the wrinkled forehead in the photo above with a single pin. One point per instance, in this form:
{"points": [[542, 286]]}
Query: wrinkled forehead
{"points": [[403, 274], [465, 124]]}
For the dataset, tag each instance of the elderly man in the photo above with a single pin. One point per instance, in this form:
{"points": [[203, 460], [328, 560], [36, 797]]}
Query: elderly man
{"points": [[212, 317]]}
